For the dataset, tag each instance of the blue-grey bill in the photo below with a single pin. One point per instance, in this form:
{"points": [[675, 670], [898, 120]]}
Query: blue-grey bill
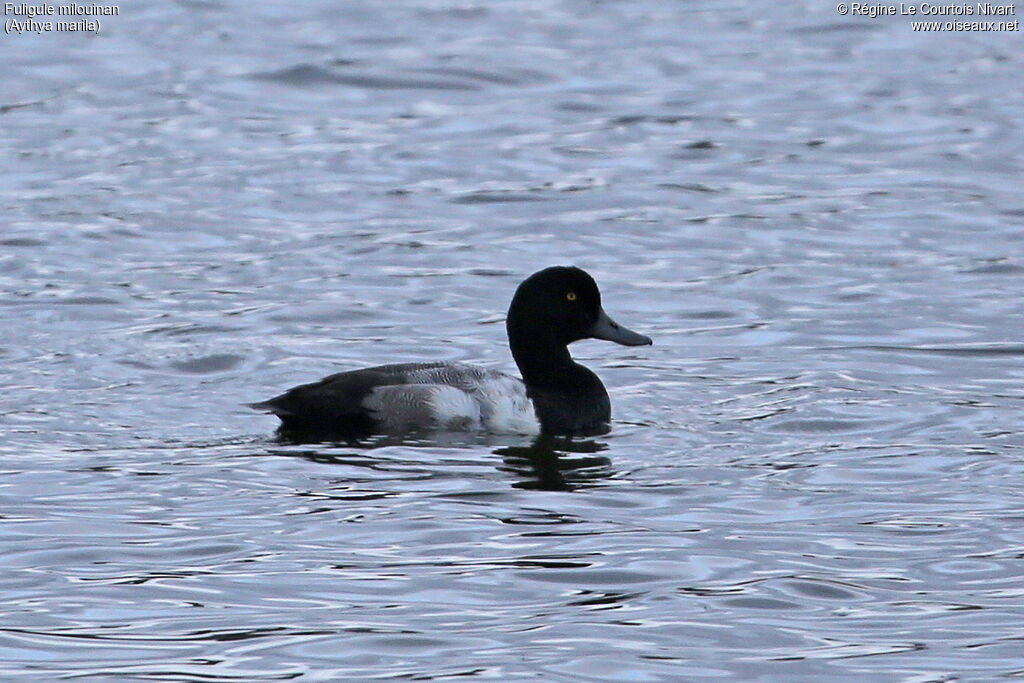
{"points": [[609, 330]]}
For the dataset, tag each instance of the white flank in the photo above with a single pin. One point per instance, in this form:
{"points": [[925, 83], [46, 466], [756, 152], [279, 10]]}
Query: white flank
{"points": [[454, 397], [505, 406], [454, 409]]}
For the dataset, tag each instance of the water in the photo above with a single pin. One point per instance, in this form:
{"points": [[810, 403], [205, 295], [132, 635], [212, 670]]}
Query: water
{"points": [[814, 474]]}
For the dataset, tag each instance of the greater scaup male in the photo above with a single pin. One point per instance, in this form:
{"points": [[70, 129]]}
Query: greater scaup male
{"points": [[551, 309]]}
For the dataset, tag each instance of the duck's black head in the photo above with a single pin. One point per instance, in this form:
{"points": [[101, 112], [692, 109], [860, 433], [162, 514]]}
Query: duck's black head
{"points": [[559, 305], [551, 309]]}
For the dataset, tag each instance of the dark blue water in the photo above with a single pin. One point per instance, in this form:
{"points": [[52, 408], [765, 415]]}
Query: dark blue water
{"points": [[815, 473]]}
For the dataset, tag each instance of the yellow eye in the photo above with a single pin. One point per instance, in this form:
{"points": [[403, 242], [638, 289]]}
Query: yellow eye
{"points": [[571, 296]]}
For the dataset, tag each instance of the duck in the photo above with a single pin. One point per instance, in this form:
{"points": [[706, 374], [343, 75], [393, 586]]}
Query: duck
{"points": [[550, 309]]}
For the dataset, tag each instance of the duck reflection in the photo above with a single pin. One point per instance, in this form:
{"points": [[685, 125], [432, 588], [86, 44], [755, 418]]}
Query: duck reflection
{"points": [[556, 463], [549, 463]]}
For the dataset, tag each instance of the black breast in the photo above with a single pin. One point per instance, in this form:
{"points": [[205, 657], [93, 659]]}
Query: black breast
{"points": [[577, 405]]}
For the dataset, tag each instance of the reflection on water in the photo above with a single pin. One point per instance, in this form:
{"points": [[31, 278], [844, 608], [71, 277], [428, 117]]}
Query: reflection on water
{"points": [[553, 463]]}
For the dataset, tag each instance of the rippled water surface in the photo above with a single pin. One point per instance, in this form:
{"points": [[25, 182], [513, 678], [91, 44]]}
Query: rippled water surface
{"points": [[816, 471]]}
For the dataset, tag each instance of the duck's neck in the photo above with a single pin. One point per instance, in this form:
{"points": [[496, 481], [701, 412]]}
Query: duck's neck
{"points": [[567, 397], [542, 362]]}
